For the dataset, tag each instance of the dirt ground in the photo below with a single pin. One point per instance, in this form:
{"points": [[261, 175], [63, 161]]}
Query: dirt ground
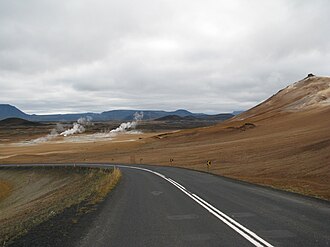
{"points": [[37, 194], [290, 152], [283, 142], [5, 189]]}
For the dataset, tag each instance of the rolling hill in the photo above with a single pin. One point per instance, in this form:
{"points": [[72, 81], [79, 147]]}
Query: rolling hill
{"points": [[307, 95], [284, 142], [18, 122]]}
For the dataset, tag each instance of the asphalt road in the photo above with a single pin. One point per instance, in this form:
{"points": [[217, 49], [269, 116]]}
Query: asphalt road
{"points": [[179, 207], [168, 206]]}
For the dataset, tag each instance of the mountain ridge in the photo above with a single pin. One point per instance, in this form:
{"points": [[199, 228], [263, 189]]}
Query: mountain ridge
{"points": [[10, 111]]}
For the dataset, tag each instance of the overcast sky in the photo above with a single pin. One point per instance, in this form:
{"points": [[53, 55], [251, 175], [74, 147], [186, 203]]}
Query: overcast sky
{"points": [[201, 55]]}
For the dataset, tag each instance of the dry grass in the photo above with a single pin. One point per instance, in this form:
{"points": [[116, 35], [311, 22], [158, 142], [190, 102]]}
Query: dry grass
{"points": [[5, 189], [105, 185], [40, 193]]}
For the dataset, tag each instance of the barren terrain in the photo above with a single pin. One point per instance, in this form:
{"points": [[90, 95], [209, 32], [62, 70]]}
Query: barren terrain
{"points": [[33, 195], [283, 142]]}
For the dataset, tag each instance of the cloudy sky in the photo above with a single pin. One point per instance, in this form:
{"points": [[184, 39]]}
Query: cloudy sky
{"points": [[207, 56]]}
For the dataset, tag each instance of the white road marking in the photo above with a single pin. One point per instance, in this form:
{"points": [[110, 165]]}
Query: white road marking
{"points": [[243, 231]]}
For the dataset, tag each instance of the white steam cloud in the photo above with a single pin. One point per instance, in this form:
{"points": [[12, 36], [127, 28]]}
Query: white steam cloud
{"points": [[129, 125], [78, 127], [43, 139], [54, 133], [85, 121]]}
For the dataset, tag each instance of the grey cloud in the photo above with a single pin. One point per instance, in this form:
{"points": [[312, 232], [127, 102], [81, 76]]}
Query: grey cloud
{"points": [[206, 56]]}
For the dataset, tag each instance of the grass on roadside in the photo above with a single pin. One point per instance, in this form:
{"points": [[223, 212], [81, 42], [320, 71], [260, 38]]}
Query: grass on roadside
{"points": [[65, 186], [5, 189]]}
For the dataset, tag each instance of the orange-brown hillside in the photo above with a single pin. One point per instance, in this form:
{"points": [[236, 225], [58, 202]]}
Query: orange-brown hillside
{"points": [[311, 93], [283, 142]]}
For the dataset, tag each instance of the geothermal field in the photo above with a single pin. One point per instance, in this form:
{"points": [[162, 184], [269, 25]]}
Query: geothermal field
{"points": [[164, 123], [283, 142]]}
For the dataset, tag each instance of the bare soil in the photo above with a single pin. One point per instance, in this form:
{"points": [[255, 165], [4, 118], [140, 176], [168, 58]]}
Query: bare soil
{"points": [[290, 151], [40, 193], [283, 142], [64, 229], [5, 189]]}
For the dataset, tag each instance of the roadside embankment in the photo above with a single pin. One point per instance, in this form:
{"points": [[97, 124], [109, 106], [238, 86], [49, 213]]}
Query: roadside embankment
{"points": [[32, 195]]}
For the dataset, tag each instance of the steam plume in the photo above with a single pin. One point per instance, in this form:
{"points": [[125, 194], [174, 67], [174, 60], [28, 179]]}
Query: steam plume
{"points": [[78, 127], [129, 125]]}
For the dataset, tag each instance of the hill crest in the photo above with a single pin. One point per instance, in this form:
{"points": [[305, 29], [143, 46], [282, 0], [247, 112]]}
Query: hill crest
{"points": [[310, 93], [18, 121]]}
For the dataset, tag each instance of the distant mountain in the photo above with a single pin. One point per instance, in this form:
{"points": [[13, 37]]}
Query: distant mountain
{"points": [[118, 115], [18, 121], [170, 118], [7, 111], [237, 112], [147, 115], [184, 113], [218, 117]]}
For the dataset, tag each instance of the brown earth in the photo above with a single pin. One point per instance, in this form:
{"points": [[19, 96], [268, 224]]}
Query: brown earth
{"points": [[5, 189], [283, 142], [37, 194]]}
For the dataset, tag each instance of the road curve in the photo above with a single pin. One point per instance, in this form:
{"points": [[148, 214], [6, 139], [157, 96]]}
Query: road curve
{"points": [[150, 209], [168, 206]]}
